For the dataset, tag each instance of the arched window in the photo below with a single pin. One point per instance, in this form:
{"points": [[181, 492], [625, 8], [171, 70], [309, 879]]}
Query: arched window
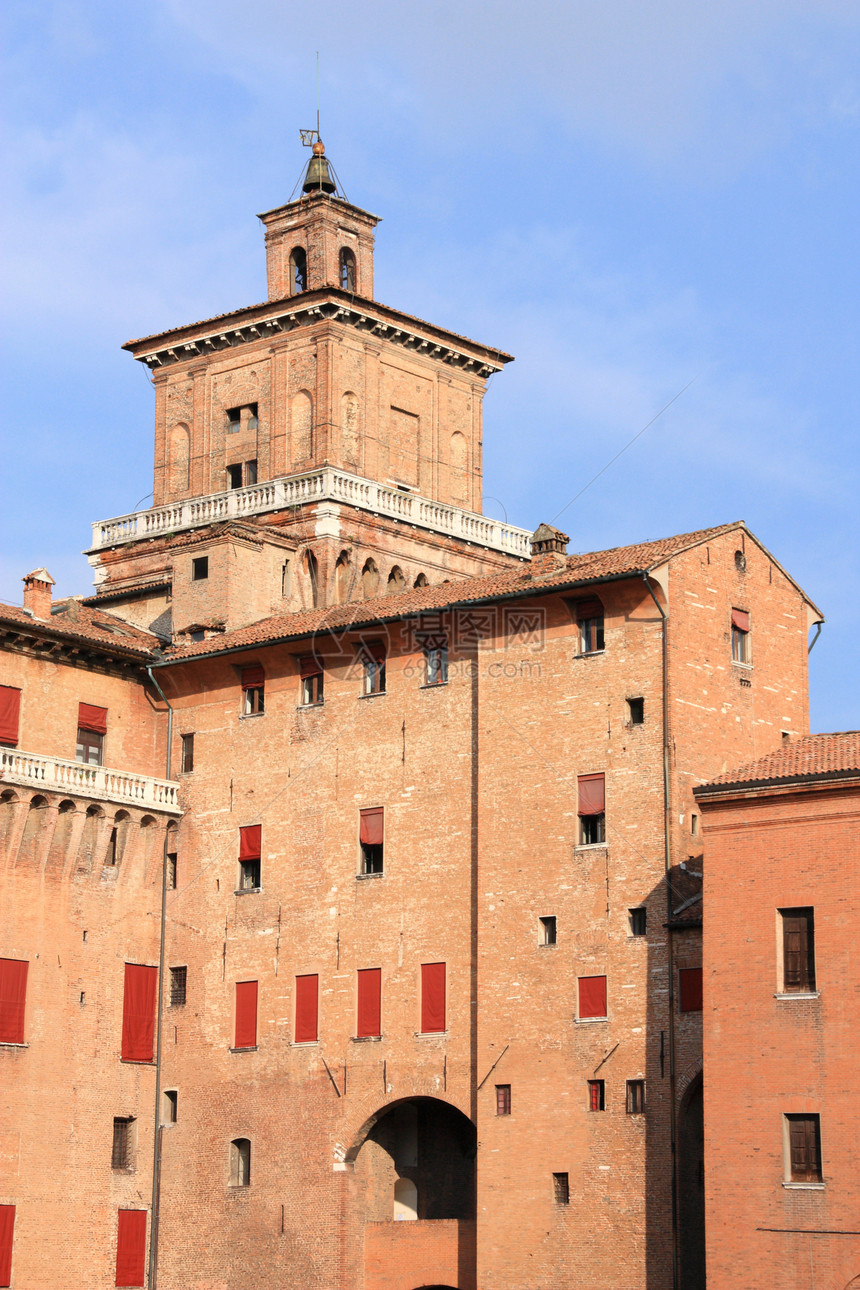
{"points": [[312, 570], [343, 577], [369, 579], [240, 1162], [396, 581], [298, 271], [421, 581], [347, 269]]}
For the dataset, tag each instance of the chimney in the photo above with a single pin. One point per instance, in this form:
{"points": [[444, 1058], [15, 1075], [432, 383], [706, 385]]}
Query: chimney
{"points": [[549, 541], [37, 593]]}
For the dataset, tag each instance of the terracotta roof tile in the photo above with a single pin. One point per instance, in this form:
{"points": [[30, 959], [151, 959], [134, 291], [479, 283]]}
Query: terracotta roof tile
{"points": [[813, 757], [78, 622], [595, 566]]}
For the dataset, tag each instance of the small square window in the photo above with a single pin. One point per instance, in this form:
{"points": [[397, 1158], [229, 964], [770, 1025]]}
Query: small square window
{"points": [[547, 930], [249, 875], [178, 984], [638, 921], [636, 1097], [90, 747], [170, 1106], [121, 1151], [592, 829], [596, 1095], [635, 712], [200, 568], [503, 1099], [187, 753], [803, 1148], [253, 700], [561, 1189], [171, 870]]}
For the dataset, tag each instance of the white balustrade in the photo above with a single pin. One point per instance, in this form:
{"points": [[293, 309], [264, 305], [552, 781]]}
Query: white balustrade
{"points": [[54, 774], [326, 484]]}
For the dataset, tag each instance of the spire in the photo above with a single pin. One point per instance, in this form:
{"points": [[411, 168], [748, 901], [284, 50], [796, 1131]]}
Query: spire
{"points": [[318, 177]]}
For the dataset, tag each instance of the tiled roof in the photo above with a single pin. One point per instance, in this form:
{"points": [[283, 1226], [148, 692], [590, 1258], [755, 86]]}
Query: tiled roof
{"points": [[814, 757], [541, 575], [78, 622]]}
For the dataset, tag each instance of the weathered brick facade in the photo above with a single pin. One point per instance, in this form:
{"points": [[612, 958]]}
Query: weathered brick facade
{"points": [[458, 1146]]}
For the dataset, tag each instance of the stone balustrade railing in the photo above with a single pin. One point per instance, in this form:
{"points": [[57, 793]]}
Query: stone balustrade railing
{"points": [[54, 774], [326, 484]]}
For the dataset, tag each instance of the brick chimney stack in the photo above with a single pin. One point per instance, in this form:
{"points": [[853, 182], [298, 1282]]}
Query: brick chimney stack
{"points": [[37, 593]]}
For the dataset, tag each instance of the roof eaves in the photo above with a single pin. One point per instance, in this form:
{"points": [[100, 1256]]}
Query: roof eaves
{"points": [[748, 787]]}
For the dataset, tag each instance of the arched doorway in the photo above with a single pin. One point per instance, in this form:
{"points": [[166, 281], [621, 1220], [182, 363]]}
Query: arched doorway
{"points": [[691, 1186]]}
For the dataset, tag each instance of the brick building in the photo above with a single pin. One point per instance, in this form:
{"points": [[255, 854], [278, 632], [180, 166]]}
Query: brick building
{"points": [[369, 855], [782, 843]]}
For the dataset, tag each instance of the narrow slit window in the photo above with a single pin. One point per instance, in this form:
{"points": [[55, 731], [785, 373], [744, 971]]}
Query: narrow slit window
{"points": [[312, 681], [121, 1157], [250, 850], [638, 921], [596, 1095], [187, 754], [170, 1108], [347, 269], [253, 690], [798, 950], [740, 636], [240, 1162], [561, 1189], [373, 667], [636, 1097], [298, 271], [110, 854], [371, 839], [178, 986], [172, 861], [250, 472], [547, 930], [503, 1099], [591, 808]]}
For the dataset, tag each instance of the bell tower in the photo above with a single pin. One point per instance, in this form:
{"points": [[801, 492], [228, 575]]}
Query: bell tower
{"points": [[320, 240]]}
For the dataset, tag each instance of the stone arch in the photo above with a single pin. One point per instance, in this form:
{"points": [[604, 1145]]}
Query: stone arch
{"points": [[691, 1185], [350, 416], [301, 426], [178, 458], [310, 568], [343, 577], [459, 460], [396, 581], [421, 581], [298, 271], [348, 271], [369, 578]]}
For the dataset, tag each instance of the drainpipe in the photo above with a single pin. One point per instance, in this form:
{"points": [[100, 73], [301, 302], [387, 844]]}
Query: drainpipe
{"points": [[667, 863], [157, 1132], [818, 627]]}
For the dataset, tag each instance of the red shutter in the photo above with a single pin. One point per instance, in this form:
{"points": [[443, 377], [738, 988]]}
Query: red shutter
{"points": [[10, 711], [246, 1014], [371, 827], [592, 996], [741, 620], [592, 794], [250, 839], [13, 995], [7, 1229], [310, 667], [92, 718], [130, 1247], [253, 676], [307, 994], [690, 981], [432, 997], [369, 1003], [138, 1015]]}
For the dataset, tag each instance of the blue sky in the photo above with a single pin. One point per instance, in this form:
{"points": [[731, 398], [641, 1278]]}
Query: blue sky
{"points": [[626, 194]]}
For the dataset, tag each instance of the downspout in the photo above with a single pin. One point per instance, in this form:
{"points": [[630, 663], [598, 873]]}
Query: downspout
{"points": [[670, 948], [157, 1134], [818, 627]]}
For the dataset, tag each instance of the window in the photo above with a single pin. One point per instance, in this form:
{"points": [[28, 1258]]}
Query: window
{"points": [[433, 1018], [592, 997], [178, 985], [298, 271], [591, 791], [312, 681], [10, 712], [172, 859], [187, 753], [13, 998], [638, 921], [369, 1010], [596, 1095], [694, 825], [798, 950], [170, 1106], [7, 1231], [635, 712], [347, 269], [138, 1012], [804, 1148], [234, 475], [250, 847], [240, 1162], [561, 1189], [547, 930], [636, 1097], [234, 420], [130, 1247], [371, 839], [589, 617], [121, 1151], [245, 1033], [92, 728], [503, 1099], [740, 636], [307, 1009], [250, 472], [690, 989], [373, 665], [200, 568], [244, 417], [436, 661], [253, 690]]}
